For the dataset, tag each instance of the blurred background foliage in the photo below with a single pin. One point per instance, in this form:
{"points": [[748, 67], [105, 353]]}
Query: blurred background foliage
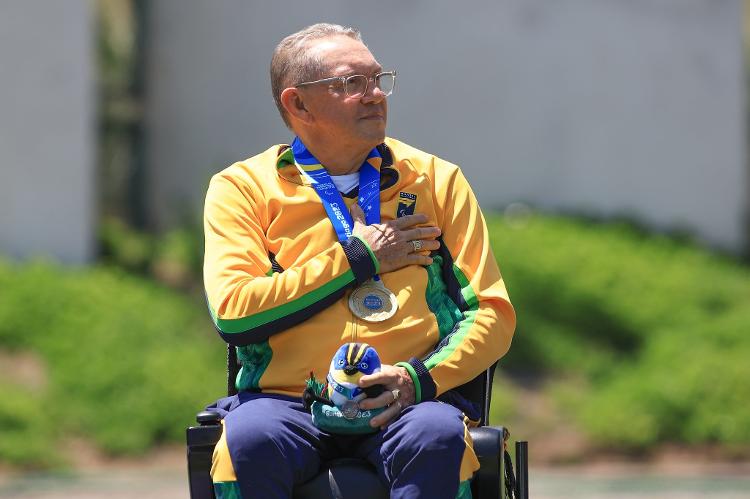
{"points": [[627, 339], [122, 186], [638, 338], [633, 339], [100, 354]]}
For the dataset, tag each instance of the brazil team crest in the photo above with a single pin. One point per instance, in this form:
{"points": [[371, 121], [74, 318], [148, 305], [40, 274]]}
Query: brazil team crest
{"points": [[406, 204]]}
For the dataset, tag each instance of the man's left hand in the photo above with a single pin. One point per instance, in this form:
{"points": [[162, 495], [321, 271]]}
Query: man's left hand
{"points": [[398, 394]]}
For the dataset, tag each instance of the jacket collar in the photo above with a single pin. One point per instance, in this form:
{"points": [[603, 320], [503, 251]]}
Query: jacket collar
{"points": [[288, 170]]}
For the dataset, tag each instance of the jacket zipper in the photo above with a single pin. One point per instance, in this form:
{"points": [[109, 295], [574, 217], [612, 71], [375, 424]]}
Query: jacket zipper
{"points": [[355, 324]]}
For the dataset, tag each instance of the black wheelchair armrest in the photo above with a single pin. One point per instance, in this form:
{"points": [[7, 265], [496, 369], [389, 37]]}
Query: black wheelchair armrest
{"points": [[489, 444], [205, 418], [201, 441]]}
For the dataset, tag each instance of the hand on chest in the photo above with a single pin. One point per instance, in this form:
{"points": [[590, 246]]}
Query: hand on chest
{"points": [[301, 228]]}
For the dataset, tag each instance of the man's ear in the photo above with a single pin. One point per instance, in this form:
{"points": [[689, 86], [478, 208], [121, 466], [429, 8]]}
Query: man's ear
{"points": [[294, 104]]}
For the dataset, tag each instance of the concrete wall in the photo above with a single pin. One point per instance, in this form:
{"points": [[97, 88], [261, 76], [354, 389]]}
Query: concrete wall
{"points": [[46, 129], [603, 106]]}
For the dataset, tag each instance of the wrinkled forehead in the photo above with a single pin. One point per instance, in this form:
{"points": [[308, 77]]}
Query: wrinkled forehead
{"points": [[342, 55]]}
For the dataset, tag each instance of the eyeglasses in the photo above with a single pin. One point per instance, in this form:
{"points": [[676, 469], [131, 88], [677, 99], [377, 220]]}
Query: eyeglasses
{"points": [[357, 85]]}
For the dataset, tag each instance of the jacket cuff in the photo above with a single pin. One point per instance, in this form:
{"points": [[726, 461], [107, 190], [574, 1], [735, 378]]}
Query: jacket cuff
{"points": [[361, 258], [424, 385]]}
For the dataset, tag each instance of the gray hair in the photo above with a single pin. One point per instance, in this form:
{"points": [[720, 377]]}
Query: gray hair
{"points": [[291, 64]]}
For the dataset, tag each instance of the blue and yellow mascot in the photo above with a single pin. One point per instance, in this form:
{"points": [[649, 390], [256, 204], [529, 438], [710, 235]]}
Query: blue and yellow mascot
{"points": [[335, 404]]}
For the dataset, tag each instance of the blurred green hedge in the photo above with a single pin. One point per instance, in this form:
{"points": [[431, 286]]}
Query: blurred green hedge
{"points": [[642, 338], [125, 363], [651, 333]]}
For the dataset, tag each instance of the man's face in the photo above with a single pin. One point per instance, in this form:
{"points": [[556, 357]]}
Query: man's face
{"points": [[355, 121]]}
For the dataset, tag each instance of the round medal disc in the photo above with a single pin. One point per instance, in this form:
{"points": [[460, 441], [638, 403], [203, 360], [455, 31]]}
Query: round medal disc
{"points": [[373, 302], [350, 409]]}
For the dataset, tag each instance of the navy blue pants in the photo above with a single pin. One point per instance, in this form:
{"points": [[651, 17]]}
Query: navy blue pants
{"points": [[273, 445]]}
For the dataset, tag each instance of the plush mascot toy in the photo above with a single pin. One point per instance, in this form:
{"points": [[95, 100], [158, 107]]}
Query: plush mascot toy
{"points": [[335, 404]]}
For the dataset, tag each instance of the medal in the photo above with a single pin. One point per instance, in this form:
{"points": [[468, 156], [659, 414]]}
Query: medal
{"points": [[373, 302], [350, 409]]}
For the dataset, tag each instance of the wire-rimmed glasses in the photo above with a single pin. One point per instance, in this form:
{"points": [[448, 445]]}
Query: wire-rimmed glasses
{"points": [[357, 85]]}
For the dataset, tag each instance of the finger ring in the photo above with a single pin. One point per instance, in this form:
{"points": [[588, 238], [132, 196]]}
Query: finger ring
{"points": [[396, 394], [417, 245]]}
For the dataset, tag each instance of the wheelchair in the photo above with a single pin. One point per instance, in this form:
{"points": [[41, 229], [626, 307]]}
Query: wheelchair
{"points": [[346, 478]]}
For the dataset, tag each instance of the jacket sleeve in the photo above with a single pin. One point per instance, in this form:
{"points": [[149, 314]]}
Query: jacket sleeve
{"points": [[483, 332], [247, 299]]}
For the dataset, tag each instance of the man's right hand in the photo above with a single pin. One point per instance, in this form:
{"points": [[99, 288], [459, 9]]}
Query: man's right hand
{"points": [[391, 242]]}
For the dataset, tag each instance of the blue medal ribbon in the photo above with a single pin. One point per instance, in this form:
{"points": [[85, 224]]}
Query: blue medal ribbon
{"points": [[338, 214]]}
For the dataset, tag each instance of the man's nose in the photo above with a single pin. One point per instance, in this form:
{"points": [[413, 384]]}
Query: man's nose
{"points": [[374, 94]]}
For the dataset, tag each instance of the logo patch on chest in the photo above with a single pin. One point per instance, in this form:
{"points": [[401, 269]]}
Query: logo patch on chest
{"points": [[406, 204]]}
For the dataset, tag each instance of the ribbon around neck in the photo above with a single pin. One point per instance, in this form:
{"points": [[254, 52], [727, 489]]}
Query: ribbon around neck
{"points": [[369, 188]]}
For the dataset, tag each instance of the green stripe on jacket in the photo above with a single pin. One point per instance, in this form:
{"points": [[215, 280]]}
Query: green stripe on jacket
{"points": [[440, 304], [469, 315], [242, 324], [255, 359], [227, 490]]}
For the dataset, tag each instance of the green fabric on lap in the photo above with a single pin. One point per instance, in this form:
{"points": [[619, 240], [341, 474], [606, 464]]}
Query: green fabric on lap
{"points": [[329, 418]]}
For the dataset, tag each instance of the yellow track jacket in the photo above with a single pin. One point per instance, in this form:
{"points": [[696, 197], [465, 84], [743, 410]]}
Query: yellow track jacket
{"points": [[277, 279]]}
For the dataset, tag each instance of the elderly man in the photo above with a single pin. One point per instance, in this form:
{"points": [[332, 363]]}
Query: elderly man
{"points": [[348, 236]]}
